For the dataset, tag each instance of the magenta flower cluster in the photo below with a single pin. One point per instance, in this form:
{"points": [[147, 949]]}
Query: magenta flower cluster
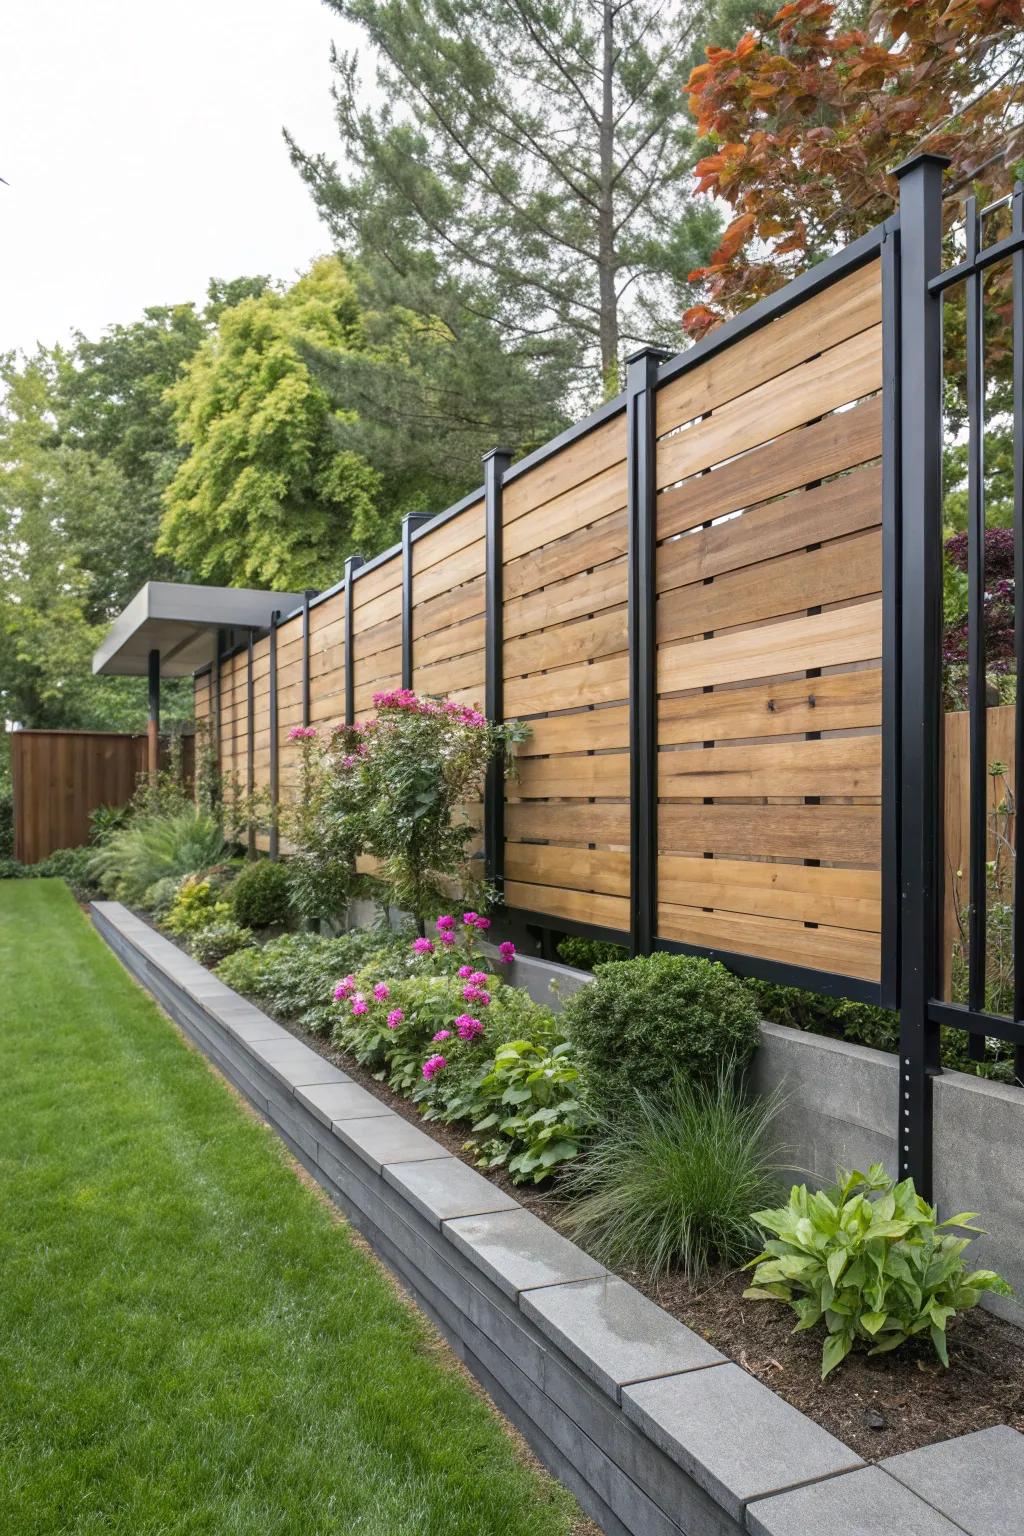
{"points": [[395, 1017], [422, 947], [302, 733], [467, 1027], [344, 988], [432, 1066], [406, 699]]}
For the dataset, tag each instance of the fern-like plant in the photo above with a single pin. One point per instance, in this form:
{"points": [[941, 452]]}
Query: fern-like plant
{"points": [[152, 848]]}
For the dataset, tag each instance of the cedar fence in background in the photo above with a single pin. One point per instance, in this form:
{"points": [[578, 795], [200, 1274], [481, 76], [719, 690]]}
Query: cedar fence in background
{"points": [[60, 777], [713, 534]]}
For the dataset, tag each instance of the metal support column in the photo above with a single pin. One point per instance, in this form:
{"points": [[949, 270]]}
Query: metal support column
{"points": [[352, 564], [495, 464], [641, 497], [310, 592], [410, 522], [275, 618], [153, 723], [920, 405], [250, 745]]}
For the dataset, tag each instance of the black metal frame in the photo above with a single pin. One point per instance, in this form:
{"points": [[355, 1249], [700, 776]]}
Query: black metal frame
{"points": [[496, 464], [352, 565], [250, 741], [410, 522], [641, 503], [275, 619]]}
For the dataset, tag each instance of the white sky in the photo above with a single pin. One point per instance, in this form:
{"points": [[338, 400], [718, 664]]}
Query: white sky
{"points": [[142, 143]]}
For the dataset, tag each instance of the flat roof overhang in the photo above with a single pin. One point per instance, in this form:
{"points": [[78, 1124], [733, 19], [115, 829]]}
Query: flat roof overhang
{"points": [[181, 622]]}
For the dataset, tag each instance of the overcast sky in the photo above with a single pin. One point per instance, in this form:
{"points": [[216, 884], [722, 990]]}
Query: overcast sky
{"points": [[142, 143]]}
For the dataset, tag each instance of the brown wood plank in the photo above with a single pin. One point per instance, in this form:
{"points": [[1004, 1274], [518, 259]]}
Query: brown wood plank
{"points": [[847, 504], [846, 952], [574, 509], [366, 589], [838, 312], [380, 664], [377, 610], [586, 593], [834, 378], [465, 565], [839, 701], [454, 607], [606, 774], [583, 640], [836, 638], [582, 460], [604, 824], [584, 731], [837, 572], [441, 543], [596, 544], [577, 906], [588, 682], [850, 834], [842, 898], [446, 644], [841, 765], [447, 676], [572, 868]]}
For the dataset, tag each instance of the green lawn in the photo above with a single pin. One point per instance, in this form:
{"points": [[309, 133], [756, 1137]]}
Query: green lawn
{"points": [[189, 1340]]}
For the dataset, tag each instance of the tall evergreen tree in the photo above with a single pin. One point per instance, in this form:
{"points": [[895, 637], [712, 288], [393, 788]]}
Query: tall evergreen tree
{"points": [[531, 160]]}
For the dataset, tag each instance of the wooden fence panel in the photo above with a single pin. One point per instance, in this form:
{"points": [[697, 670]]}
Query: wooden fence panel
{"points": [[769, 631], [60, 777], [956, 828]]}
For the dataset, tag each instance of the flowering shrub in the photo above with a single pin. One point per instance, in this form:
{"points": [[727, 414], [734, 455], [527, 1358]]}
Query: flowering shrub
{"points": [[197, 904], [393, 788]]}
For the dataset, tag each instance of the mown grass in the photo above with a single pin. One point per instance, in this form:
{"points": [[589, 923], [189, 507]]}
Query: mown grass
{"points": [[189, 1340]]}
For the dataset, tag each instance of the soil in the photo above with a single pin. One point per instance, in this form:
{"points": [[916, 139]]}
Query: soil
{"points": [[880, 1406]]}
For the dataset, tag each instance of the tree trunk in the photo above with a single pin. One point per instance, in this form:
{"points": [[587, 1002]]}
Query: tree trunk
{"points": [[609, 324]]}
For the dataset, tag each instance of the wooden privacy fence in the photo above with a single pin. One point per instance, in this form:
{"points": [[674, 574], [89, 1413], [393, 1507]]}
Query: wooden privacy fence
{"points": [[60, 777], [683, 596]]}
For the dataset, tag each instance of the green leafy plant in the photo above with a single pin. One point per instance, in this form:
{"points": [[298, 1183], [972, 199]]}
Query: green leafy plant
{"points": [[105, 819], [73, 865], [151, 847], [215, 941], [13, 869], [588, 953], [260, 895], [197, 905], [294, 976], [160, 897], [538, 1112], [643, 1020], [6, 823], [669, 1183], [870, 1261]]}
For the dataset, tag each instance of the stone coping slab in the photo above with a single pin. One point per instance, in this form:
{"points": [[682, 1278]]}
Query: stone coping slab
{"points": [[734, 1436], [516, 1250], [860, 1503], [977, 1480], [614, 1333], [674, 1407]]}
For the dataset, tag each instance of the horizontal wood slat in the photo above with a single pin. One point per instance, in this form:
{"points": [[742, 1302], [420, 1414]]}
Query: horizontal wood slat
{"points": [[844, 951], [792, 645], [576, 906], [845, 765], [586, 869], [842, 898]]}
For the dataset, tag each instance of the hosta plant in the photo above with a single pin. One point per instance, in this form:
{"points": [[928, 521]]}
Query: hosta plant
{"points": [[870, 1261], [538, 1114]]}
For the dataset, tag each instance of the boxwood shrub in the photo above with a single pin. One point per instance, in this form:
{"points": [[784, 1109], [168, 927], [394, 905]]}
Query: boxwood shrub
{"points": [[260, 895], [645, 1020]]}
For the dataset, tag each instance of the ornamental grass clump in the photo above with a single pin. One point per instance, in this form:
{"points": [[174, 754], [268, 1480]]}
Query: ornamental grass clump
{"points": [[668, 1183], [643, 1021], [156, 847], [869, 1260]]}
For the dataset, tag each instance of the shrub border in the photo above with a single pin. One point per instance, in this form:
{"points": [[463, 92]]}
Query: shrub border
{"points": [[655, 1432]]}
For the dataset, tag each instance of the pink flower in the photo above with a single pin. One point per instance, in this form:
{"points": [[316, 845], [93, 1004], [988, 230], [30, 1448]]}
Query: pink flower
{"points": [[468, 1028], [465, 971], [447, 939], [469, 918], [395, 1018], [302, 733], [483, 923], [476, 995], [359, 1004], [432, 1066], [422, 947], [507, 951], [382, 991], [344, 987], [442, 1034], [348, 761], [478, 978], [444, 923]]}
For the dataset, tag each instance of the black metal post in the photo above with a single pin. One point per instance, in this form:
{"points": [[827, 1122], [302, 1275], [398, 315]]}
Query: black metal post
{"points": [[153, 723], [890, 970], [250, 743], [215, 711], [410, 522], [920, 180], [977, 703], [1017, 271], [310, 592], [352, 564], [641, 499], [274, 744], [495, 464]]}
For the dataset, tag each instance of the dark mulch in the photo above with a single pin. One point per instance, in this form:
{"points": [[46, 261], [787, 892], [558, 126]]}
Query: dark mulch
{"points": [[880, 1406]]}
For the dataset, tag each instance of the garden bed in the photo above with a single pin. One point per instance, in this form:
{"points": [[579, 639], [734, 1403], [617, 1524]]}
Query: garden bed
{"points": [[880, 1406]]}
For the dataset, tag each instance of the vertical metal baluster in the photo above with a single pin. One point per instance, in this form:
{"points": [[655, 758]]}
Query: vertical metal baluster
{"points": [[275, 618], [352, 564], [250, 745], [410, 522], [1017, 269], [495, 464], [976, 692]]}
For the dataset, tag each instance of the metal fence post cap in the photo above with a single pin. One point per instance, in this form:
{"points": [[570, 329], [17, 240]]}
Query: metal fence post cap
{"points": [[496, 453], [922, 157], [662, 354]]}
